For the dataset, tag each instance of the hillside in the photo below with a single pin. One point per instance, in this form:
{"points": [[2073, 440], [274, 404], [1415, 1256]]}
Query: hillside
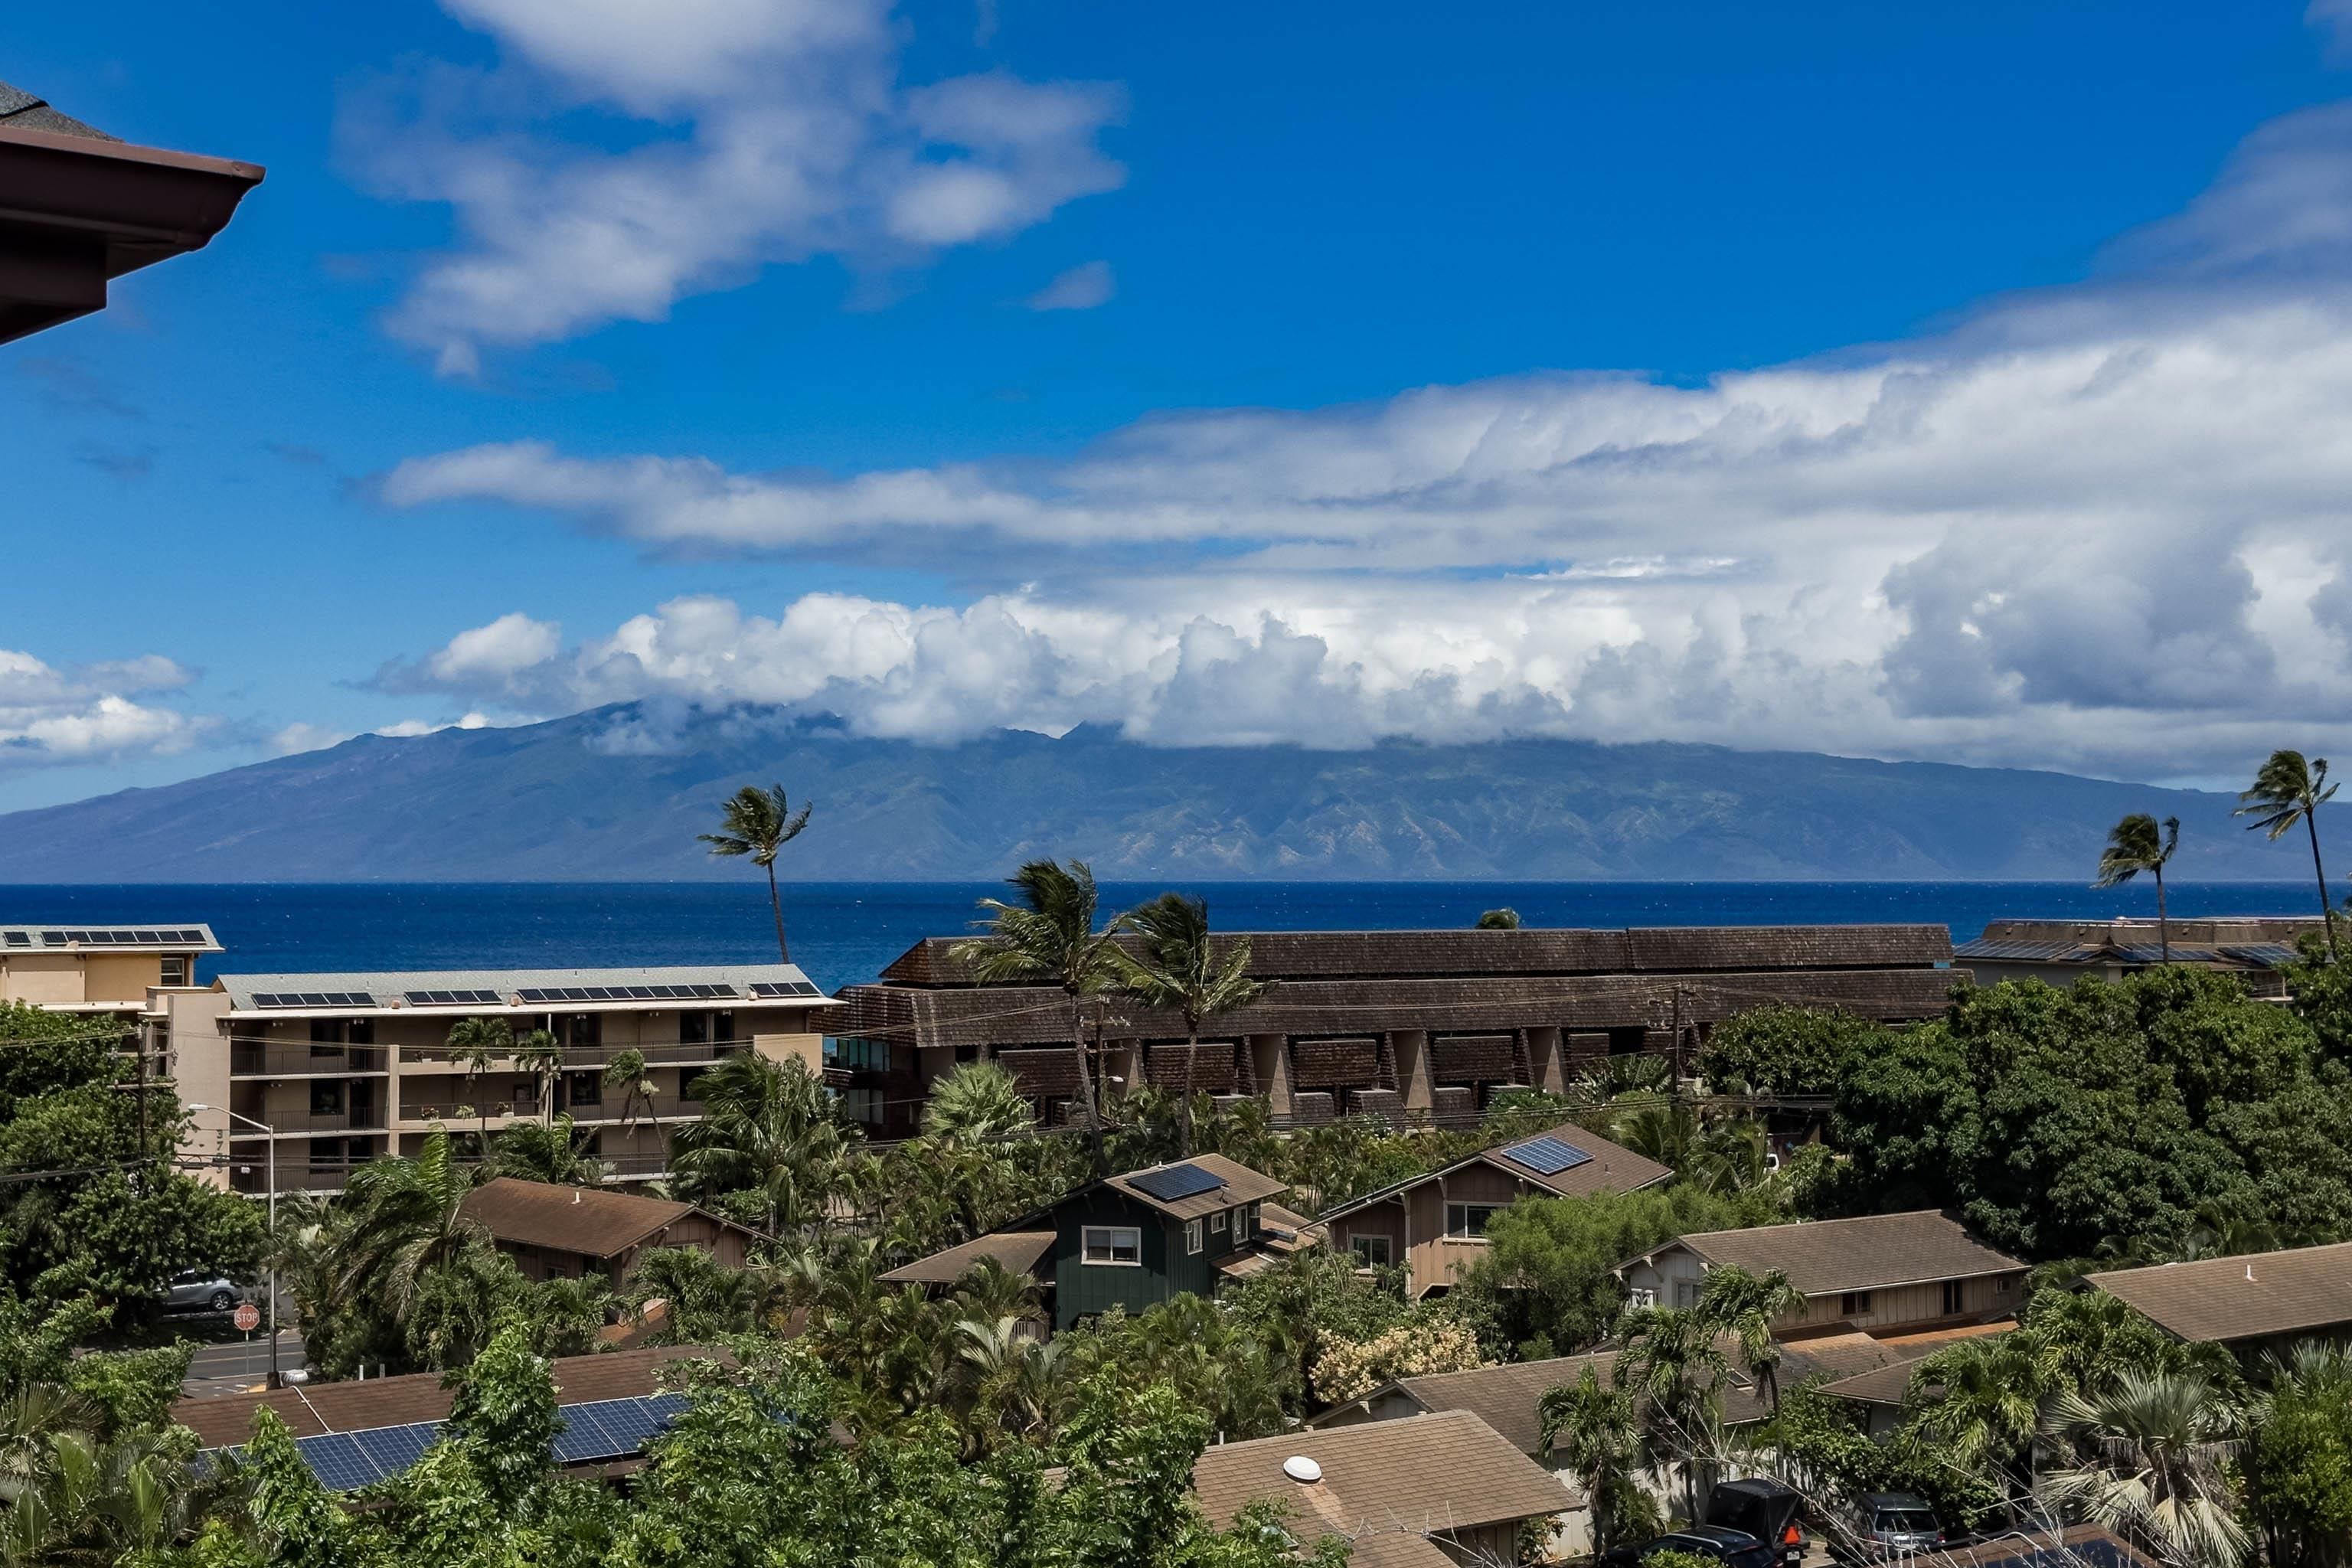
{"points": [[617, 793]]}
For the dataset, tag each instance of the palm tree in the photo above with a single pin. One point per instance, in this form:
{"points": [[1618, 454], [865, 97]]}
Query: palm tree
{"points": [[978, 1103], [628, 1073], [537, 1055], [2151, 1457], [2135, 845], [399, 1220], [1981, 1399], [2289, 790], [482, 1044], [1179, 970], [1673, 1366], [767, 1126], [1049, 936], [1499, 919], [547, 1152], [1591, 1432], [1744, 1306], [759, 822]]}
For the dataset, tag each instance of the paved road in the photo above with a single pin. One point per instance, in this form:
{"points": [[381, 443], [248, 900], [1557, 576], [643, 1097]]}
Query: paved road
{"points": [[237, 1365]]}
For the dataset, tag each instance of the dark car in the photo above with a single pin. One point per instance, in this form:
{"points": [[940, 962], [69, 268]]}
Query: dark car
{"points": [[1733, 1548], [1768, 1510], [1889, 1524]]}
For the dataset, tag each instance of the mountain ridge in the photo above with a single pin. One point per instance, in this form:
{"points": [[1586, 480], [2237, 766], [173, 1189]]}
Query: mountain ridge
{"points": [[619, 793]]}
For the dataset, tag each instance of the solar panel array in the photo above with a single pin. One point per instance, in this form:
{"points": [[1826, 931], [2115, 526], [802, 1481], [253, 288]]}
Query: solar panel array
{"points": [[771, 989], [1547, 1156], [455, 998], [1176, 1182], [312, 999], [629, 993], [599, 1430], [108, 936]]}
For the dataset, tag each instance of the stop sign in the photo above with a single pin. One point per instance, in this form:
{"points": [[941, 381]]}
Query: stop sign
{"points": [[248, 1317]]}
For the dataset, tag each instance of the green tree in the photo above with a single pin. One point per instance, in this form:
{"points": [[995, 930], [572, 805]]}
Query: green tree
{"points": [[483, 1046], [1979, 1400], [2151, 1457], [1178, 968], [769, 1128], [2286, 790], [1049, 937], [1673, 1366], [757, 823], [1745, 1306], [503, 1408], [1783, 1049], [2137, 845], [547, 1152], [628, 1073], [2298, 1458], [537, 1055], [976, 1104], [1590, 1430], [1499, 919]]}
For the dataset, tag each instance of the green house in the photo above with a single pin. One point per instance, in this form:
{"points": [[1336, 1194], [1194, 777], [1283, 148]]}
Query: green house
{"points": [[1134, 1240]]}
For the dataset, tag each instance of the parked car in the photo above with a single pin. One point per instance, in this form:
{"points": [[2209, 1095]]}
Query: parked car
{"points": [[1733, 1548], [199, 1291], [1768, 1510], [1888, 1524]]}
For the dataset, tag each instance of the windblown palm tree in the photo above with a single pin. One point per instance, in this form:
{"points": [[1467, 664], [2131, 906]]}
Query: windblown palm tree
{"points": [[547, 1152], [400, 1219], [978, 1103], [2136, 845], [1674, 1366], [757, 823], [482, 1045], [537, 1055], [1744, 1306], [1981, 1399], [628, 1073], [766, 1126], [1049, 937], [2289, 790], [2151, 1458], [1179, 970], [1590, 1432]]}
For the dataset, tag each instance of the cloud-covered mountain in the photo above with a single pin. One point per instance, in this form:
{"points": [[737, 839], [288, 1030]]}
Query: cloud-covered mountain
{"points": [[619, 793]]}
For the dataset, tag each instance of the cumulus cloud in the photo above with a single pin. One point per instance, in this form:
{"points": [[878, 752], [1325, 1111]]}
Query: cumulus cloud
{"points": [[2103, 526], [300, 737], [1082, 287], [716, 137], [51, 716]]}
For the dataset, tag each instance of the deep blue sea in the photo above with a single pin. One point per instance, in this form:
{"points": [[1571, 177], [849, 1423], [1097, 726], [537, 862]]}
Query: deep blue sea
{"points": [[843, 932]]}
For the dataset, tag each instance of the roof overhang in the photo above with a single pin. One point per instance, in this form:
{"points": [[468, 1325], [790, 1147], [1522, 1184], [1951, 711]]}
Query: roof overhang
{"points": [[77, 212]]}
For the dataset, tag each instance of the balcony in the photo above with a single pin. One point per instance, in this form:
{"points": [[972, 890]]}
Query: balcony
{"points": [[248, 1061], [582, 1058], [298, 1176], [295, 1124]]}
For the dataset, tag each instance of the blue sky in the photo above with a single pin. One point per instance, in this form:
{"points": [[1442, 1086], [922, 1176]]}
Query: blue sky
{"points": [[1450, 376]]}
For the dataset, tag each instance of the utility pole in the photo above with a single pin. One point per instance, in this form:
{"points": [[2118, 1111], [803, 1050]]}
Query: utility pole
{"points": [[275, 1380]]}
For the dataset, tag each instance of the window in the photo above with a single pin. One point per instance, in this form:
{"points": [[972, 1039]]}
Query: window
{"points": [[579, 1029], [1246, 1223], [1373, 1251], [326, 1097], [583, 1089], [694, 1028], [1854, 1303], [1192, 1237], [1467, 1222], [1686, 1293], [360, 1031], [1112, 1245], [863, 1106], [722, 1029], [1641, 1296], [2000, 1287], [1217, 1222], [175, 969], [326, 1037], [1951, 1297], [857, 1055]]}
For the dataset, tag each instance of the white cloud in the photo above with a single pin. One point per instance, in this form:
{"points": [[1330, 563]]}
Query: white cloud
{"points": [[409, 729], [2335, 18], [742, 133], [300, 737], [2103, 526], [1082, 287], [51, 716]]}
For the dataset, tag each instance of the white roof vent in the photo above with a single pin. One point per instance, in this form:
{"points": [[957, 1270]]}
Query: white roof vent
{"points": [[1302, 1469]]}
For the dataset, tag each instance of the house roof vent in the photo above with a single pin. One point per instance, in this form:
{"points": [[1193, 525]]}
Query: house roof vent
{"points": [[1302, 1469]]}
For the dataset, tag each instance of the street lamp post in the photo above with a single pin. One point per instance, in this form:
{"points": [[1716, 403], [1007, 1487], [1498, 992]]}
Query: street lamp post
{"points": [[275, 1381]]}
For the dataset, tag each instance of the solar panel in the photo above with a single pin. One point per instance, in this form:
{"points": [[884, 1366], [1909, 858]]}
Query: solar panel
{"points": [[455, 998], [1546, 1156], [1176, 1182], [587, 1435], [20, 939], [338, 1462], [394, 1448], [188, 936], [54, 938]]}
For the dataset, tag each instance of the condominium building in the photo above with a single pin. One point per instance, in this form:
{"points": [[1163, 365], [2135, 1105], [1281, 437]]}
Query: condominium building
{"points": [[109, 972], [336, 1069], [1424, 1026]]}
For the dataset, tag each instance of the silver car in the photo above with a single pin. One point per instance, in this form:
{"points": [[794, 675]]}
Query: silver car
{"points": [[199, 1291]]}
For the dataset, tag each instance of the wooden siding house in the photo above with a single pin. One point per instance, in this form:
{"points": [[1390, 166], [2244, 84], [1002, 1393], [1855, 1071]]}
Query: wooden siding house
{"points": [[2252, 1302], [555, 1232]]}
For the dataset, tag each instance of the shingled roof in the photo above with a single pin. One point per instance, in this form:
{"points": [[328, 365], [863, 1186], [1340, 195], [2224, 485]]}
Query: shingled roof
{"points": [[1425, 1475], [2300, 1291], [1612, 1168], [594, 1222], [20, 111], [1015, 1250], [1240, 1185], [1873, 1252], [359, 1405]]}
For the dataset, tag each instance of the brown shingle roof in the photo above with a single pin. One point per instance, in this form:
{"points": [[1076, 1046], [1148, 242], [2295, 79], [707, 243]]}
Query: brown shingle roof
{"points": [[2243, 1298], [1241, 1185], [358, 1406], [1425, 1474], [1873, 1252], [1017, 1250], [596, 1222], [1613, 1168], [1838, 1355]]}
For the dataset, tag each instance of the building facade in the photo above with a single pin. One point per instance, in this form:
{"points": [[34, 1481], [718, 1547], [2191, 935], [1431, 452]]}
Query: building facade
{"points": [[1424, 1026], [2060, 952], [341, 1069], [123, 975]]}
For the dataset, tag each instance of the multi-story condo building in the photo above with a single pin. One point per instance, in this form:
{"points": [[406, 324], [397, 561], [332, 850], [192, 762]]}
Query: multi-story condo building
{"points": [[337, 1069], [1423, 1025], [118, 972]]}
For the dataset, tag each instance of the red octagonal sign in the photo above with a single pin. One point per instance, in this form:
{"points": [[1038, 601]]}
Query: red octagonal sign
{"points": [[248, 1317]]}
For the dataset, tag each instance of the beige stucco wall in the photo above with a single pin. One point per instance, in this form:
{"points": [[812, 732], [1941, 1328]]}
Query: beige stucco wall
{"points": [[45, 978], [120, 976]]}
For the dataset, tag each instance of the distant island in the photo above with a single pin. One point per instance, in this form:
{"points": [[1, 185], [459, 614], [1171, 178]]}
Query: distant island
{"points": [[619, 793]]}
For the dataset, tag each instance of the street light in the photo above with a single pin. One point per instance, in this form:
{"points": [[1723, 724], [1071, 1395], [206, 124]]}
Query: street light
{"points": [[275, 1381]]}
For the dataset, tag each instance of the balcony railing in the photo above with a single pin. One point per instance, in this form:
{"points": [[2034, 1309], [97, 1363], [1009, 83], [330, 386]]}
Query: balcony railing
{"points": [[582, 1058], [286, 1061], [371, 1120], [252, 1177]]}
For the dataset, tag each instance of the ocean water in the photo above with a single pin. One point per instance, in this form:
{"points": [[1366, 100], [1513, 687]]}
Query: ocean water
{"points": [[843, 932]]}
